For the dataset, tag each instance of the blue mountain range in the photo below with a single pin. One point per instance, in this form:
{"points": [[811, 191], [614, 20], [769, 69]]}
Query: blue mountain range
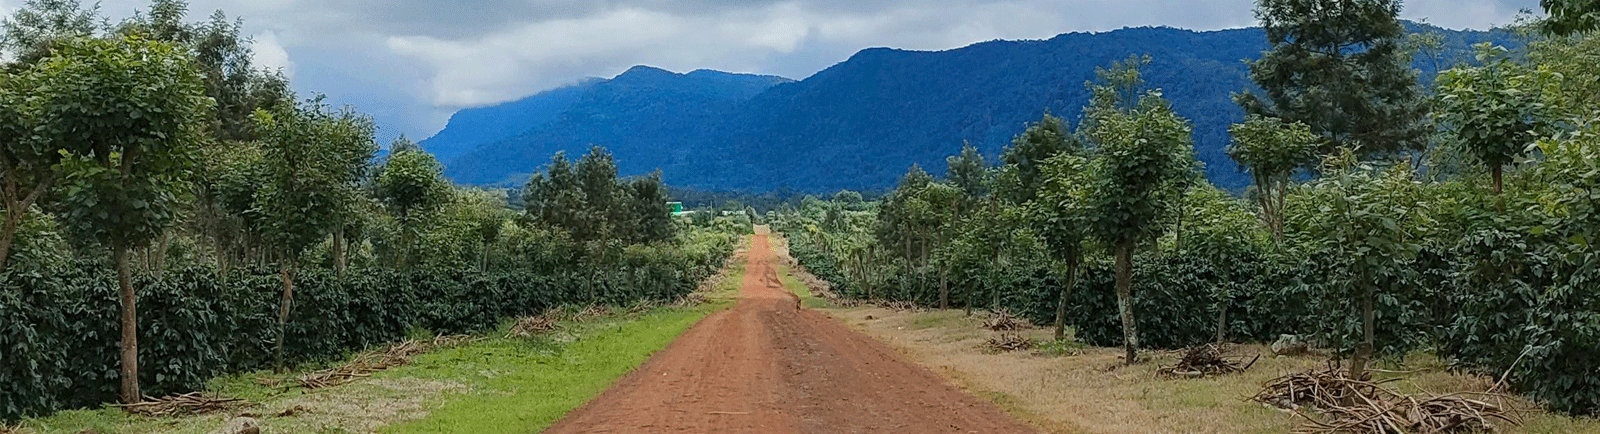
{"points": [[864, 121]]}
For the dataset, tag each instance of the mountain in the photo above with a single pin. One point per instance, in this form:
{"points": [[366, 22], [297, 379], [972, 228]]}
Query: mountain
{"points": [[860, 123], [468, 129], [647, 117]]}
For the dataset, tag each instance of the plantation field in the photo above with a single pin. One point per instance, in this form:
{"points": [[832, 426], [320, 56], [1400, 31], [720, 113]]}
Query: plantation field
{"points": [[500, 383]]}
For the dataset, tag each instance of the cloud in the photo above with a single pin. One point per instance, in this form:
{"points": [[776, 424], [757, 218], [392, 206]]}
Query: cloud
{"points": [[268, 53], [413, 62]]}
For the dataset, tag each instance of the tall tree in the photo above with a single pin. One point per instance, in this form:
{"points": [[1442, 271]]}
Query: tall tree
{"points": [[314, 158], [1272, 149], [1042, 140], [597, 179], [412, 185], [1570, 17], [27, 164], [1061, 214], [1143, 150], [1341, 68], [32, 31], [125, 114], [648, 218], [969, 172], [1496, 111]]}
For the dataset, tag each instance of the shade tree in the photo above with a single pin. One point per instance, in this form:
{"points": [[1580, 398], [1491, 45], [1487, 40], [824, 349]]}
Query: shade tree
{"points": [[123, 114], [1495, 112], [1342, 69], [1272, 150], [1143, 150]]}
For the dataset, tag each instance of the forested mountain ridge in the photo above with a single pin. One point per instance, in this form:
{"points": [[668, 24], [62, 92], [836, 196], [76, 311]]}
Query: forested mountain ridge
{"points": [[860, 123], [645, 116]]}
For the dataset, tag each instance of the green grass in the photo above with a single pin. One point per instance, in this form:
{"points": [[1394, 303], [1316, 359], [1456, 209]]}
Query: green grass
{"points": [[524, 385]]}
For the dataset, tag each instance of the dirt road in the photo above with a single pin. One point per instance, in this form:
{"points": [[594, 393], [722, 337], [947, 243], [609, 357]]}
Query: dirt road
{"points": [[767, 366]]}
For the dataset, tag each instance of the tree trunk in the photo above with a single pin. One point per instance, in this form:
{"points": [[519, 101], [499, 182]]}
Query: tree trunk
{"points": [[1066, 296], [994, 287], [338, 251], [8, 234], [130, 327], [483, 258], [283, 311], [1358, 365], [1222, 322], [944, 290], [161, 253], [1130, 333]]}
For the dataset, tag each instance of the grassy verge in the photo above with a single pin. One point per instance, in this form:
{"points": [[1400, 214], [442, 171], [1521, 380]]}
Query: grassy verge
{"points": [[521, 385], [807, 299], [494, 385], [1068, 388]]}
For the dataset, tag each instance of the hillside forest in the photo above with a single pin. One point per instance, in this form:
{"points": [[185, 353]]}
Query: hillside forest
{"points": [[174, 213], [1384, 219]]}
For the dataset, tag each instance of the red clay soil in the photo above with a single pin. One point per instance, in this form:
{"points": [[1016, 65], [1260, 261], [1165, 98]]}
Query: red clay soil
{"points": [[768, 366]]}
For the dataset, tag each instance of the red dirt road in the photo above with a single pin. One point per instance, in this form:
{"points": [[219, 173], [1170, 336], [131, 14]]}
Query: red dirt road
{"points": [[767, 366]]}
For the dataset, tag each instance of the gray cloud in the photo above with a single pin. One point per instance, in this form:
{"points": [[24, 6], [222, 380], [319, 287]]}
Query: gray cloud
{"points": [[413, 62]]}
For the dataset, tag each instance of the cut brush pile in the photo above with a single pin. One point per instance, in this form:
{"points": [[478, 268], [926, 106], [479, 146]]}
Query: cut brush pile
{"points": [[1206, 360], [378, 360], [1009, 342], [182, 405], [1003, 321], [1363, 406]]}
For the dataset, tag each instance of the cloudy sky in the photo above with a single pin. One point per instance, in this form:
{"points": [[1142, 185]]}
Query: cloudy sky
{"points": [[411, 63]]}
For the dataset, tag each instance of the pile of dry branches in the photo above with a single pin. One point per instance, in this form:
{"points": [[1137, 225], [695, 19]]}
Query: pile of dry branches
{"points": [[1003, 321], [183, 405], [591, 311], [1449, 414], [530, 326], [377, 360], [1206, 360], [1009, 342], [1363, 406]]}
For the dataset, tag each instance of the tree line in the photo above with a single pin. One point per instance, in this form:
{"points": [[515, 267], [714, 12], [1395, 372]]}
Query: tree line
{"points": [[154, 146], [1385, 217]]}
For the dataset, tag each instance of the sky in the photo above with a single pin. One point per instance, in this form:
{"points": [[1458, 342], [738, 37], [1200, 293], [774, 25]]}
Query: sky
{"points": [[412, 63]]}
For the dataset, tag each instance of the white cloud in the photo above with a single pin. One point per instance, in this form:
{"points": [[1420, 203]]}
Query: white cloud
{"points": [[415, 60], [268, 53]]}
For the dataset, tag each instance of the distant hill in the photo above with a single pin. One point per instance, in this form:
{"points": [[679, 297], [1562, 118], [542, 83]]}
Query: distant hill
{"points": [[862, 122]]}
